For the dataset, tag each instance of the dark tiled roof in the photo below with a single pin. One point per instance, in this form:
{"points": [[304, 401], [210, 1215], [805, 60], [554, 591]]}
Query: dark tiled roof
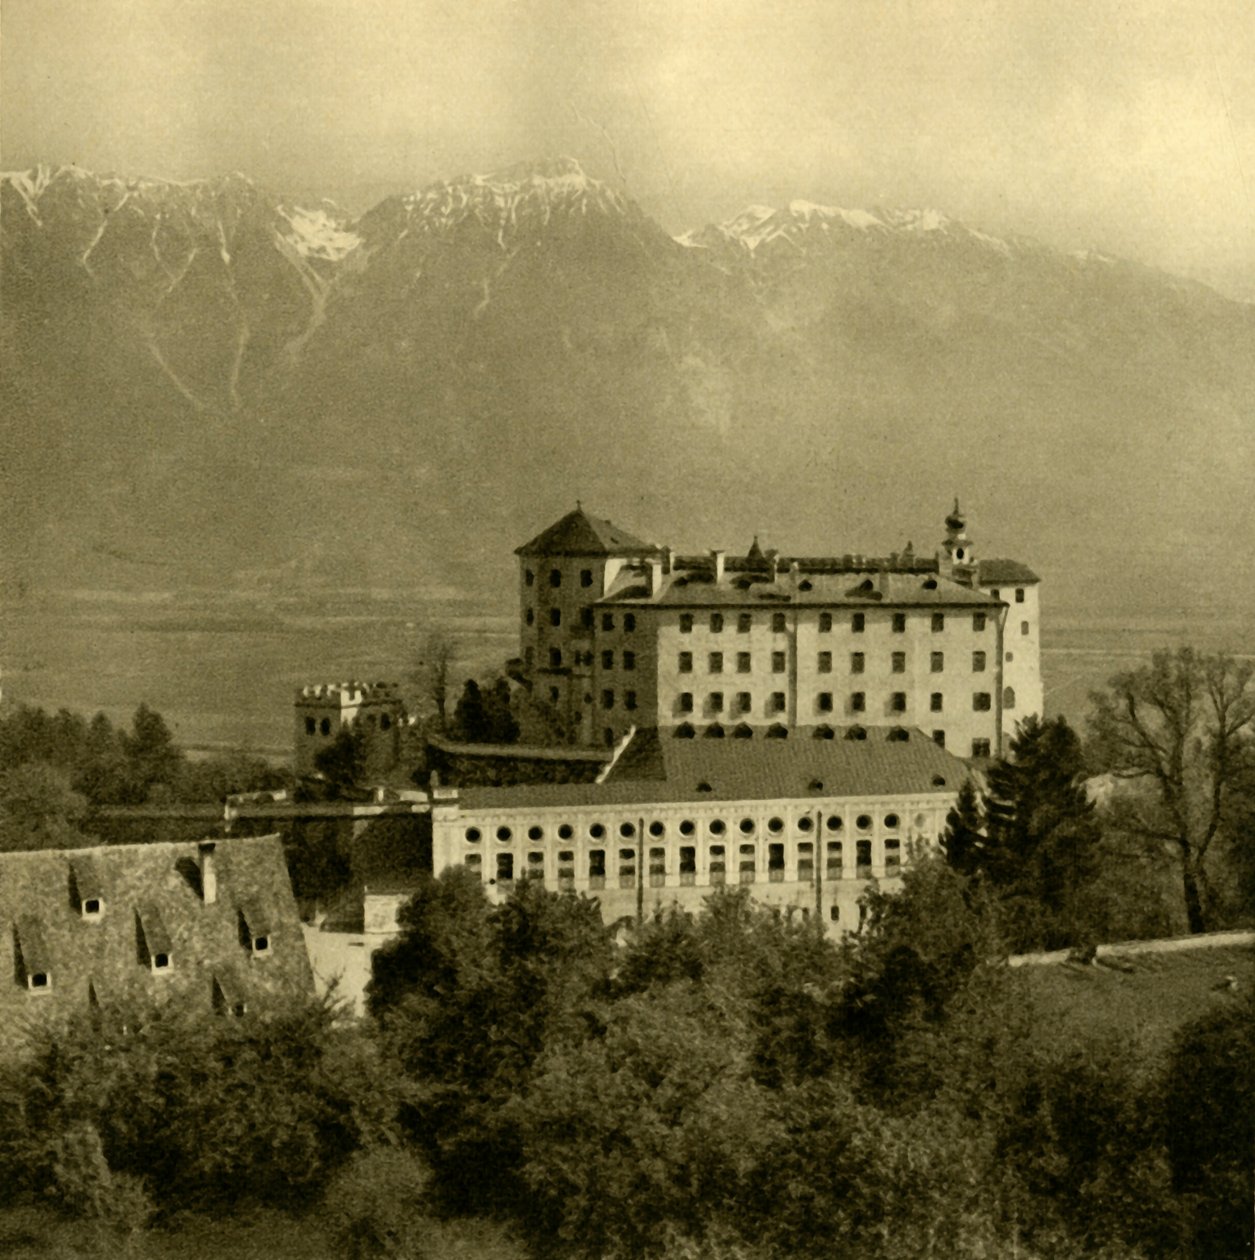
{"points": [[990, 571], [578, 534], [854, 590], [656, 767], [151, 903]]}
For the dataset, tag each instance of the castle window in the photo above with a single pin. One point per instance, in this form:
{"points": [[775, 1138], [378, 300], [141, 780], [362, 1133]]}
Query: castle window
{"points": [[529, 578], [597, 830], [657, 867], [980, 748], [744, 702], [858, 623], [776, 731], [686, 702], [834, 822], [982, 701], [472, 835], [835, 859], [825, 623], [897, 702], [311, 725], [978, 662], [717, 826], [805, 823], [657, 828], [825, 662], [324, 727], [607, 699], [742, 730], [715, 663], [834, 913], [858, 701], [937, 662], [716, 701], [535, 866], [687, 827], [1010, 657], [718, 867], [777, 662], [744, 621], [92, 907], [505, 868], [863, 822], [629, 700], [607, 660], [935, 702], [555, 577], [586, 577], [688, 864], [899, 662], [686, 662], [856, 733], [778, 624], [475, 864], [1008, 697], [715, 730], [535, 833], [747, 863], [743, 663], [686, 623], [978, 621], [824, 701], [555, 616], [607, 621], [776, 703], [716, 623], [893, 854], [565, 831], [775, 825], [554, 695], [805, 860], [1023, 627], [747, 826], [939, 738], [566, 869], [858, 662], [939, 621], [685, 731], [504, 834], [385, 722], [899, 623], [997, 594], [825, 732], [596, 868], [898, 735], [891, 821], [629, 621], [1019, 594], [555, 658], [863, 859], [629, 661]]}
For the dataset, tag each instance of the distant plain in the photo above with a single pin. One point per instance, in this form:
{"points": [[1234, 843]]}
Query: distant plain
{"points": [[222, 667]]}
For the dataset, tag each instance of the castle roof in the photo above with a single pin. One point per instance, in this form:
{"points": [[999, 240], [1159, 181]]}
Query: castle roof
{"points": [[658, 768], [990, 571], [579, 534], [149, 901]]}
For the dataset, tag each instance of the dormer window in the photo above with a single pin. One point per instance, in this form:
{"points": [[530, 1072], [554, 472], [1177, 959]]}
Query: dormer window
{"points": [[161, 961], [86, 890], [38, 980], [34, 963], [93, 907], [155, 946]]}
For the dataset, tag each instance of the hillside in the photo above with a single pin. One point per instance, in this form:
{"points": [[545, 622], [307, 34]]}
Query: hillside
{"points": [[207, 384]]}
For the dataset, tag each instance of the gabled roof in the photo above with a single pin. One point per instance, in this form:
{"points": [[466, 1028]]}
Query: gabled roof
{"points": [[151, 902], [996, 570], [658, 768], [579, 534]]}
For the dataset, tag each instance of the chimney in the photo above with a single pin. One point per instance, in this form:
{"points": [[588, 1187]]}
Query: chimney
{"points": [[669, 560], [208, 872], [773, 559], [655, 576], [717, 558]]}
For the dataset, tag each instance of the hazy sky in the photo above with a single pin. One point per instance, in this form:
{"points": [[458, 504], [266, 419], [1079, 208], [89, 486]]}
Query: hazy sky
{"points": [[1127, 127]]}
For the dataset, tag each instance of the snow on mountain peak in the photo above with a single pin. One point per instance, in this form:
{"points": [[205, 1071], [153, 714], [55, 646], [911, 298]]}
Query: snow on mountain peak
{"points": [[317, 234]]}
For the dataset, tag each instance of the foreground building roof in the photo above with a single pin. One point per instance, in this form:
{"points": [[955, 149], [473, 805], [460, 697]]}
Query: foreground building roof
{"points": [[122, 928], [830, 762]]}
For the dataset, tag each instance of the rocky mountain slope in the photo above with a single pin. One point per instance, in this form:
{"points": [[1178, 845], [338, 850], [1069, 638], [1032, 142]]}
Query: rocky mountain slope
{"points": [[208, 384]]}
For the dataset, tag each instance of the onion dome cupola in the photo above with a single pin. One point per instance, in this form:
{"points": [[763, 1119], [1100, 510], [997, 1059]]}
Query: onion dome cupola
{"points": [[956, 557]]}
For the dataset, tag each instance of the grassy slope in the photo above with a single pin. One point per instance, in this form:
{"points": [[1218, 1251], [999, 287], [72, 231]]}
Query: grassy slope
{"points": [[1143, 1006]]}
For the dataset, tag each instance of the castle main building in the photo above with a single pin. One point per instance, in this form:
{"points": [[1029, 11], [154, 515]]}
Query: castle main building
{"points": [[619, 633]]}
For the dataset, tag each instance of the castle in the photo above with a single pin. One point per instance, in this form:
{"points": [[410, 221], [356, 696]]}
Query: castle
{"points": [[619, 633]]}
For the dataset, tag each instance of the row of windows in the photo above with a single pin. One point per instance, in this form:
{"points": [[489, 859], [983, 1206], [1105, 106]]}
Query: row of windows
{"points": [[323, 726], [743, 701], [555, 577], [629, 660], [746, 858], [779, 622], [779, 662], [747, 826], [608, 698], [686, 730]]}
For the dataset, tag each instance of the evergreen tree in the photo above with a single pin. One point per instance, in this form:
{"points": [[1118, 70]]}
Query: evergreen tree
{"points": [[150, 749], [470, 720], [964, 839], [502, 726]]}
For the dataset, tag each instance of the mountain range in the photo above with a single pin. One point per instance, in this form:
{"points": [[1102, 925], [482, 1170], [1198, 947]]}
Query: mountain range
{"points": [[211, 385]]}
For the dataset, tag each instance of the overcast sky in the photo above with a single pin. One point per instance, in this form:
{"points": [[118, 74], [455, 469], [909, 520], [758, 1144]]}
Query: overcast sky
{"points": [[1122, 126]]}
